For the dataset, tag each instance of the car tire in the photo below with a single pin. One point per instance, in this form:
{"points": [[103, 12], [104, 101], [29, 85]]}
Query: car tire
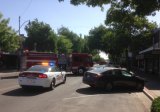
{"points": [[140, 86], [52, 85], [81, 71], [109, 86], [64, 80]]}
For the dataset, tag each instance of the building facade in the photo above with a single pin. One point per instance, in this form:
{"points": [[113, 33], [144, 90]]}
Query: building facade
{"points": [[149, 59]]}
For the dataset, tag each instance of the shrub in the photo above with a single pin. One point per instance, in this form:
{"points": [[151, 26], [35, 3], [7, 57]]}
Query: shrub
{"points": [[155, 107]]}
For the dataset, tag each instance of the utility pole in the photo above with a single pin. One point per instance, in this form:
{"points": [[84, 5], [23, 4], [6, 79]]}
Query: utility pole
{"points": [[21, 42], [19, 25]]}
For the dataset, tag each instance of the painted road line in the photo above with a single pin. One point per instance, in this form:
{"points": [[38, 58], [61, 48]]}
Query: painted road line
{"points": [[79, 97]]}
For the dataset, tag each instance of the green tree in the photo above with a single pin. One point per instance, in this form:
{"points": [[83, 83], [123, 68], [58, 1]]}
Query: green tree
{"points": [[97, 58], [9, 40], [129, 28], [131, 32], [141, 7], [85, 45], [95, 38], [64, 45], [76, 40], [41, 37]]}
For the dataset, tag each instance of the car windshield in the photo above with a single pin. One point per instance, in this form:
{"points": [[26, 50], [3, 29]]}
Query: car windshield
{"points": [[125, 73], [101, 70], [39, 68]]}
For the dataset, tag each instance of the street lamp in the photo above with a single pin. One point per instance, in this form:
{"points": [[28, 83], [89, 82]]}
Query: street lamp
{"points": [[20, 25], [21, 42]]}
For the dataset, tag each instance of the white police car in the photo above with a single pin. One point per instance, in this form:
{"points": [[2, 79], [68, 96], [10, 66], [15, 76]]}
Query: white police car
{"points": [[42, 76]]}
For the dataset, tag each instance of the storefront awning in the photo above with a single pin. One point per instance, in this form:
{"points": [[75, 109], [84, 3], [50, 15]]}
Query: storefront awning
{"points": [[146, 50], [153, 49]]}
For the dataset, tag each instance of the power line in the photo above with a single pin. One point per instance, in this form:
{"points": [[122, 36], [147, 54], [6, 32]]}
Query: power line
{"points": [[25, 10]]}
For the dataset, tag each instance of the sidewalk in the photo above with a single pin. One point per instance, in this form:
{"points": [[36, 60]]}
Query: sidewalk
{"points": [[6, 74], [152, 86]]}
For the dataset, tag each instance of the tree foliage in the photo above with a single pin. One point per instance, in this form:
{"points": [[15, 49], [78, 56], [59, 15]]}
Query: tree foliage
{"points": [[146, 7], [89, 2], [64, 45], [95, 38], [129, 28], [124, 31], [9, 40], [76, 40], [40, 37], [141, 7], [97, 58]]}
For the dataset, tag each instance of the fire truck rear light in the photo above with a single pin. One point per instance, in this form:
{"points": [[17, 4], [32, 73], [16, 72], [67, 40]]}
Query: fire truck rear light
{"points": [[42, 76]]}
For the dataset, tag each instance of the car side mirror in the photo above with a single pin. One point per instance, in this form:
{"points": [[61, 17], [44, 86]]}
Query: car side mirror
{"points": [[131, 72]]}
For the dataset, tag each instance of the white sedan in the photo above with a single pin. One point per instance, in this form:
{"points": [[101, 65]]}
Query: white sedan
{"points": [[42, 76]]}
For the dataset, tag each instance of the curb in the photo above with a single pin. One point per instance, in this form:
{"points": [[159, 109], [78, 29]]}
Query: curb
{"points": [[9, 77], [148, 94]]}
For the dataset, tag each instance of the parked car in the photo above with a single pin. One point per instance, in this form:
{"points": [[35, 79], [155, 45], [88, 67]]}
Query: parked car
{"points": [[110, 77], [42, 76]]}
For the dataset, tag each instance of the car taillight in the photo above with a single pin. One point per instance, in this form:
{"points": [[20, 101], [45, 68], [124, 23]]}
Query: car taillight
{"points": [[42, 76]]}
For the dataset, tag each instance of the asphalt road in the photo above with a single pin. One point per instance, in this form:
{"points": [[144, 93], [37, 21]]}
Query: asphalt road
{"points": [[74, 96]]}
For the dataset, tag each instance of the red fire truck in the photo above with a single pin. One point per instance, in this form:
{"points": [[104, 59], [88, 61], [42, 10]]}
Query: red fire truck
{"points": [[31, 58], [75, 62]]}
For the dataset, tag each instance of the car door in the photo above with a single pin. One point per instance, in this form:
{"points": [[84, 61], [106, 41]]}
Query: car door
{"points": [[63, 75], [106, 77], [118, 79], [128, 79], [57, 74]]}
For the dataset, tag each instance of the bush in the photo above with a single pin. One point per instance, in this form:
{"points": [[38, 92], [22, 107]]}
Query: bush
{"points": [[155, 107]]}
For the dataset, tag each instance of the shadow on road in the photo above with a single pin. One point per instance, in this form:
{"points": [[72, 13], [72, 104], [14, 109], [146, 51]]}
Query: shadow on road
{"points": [[28, 92], [93, 91]]}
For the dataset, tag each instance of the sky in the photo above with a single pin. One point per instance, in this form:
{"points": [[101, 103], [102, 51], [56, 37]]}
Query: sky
{"points": [[79, 19]]}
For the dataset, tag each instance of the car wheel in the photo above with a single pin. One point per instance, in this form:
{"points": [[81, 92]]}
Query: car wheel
{"points": [[52, 85], [64, 80], [109, 86], [80, 71], [140, 86]]}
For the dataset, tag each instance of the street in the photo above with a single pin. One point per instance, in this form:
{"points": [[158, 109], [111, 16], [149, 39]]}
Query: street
{"points": [[74, 96]]}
